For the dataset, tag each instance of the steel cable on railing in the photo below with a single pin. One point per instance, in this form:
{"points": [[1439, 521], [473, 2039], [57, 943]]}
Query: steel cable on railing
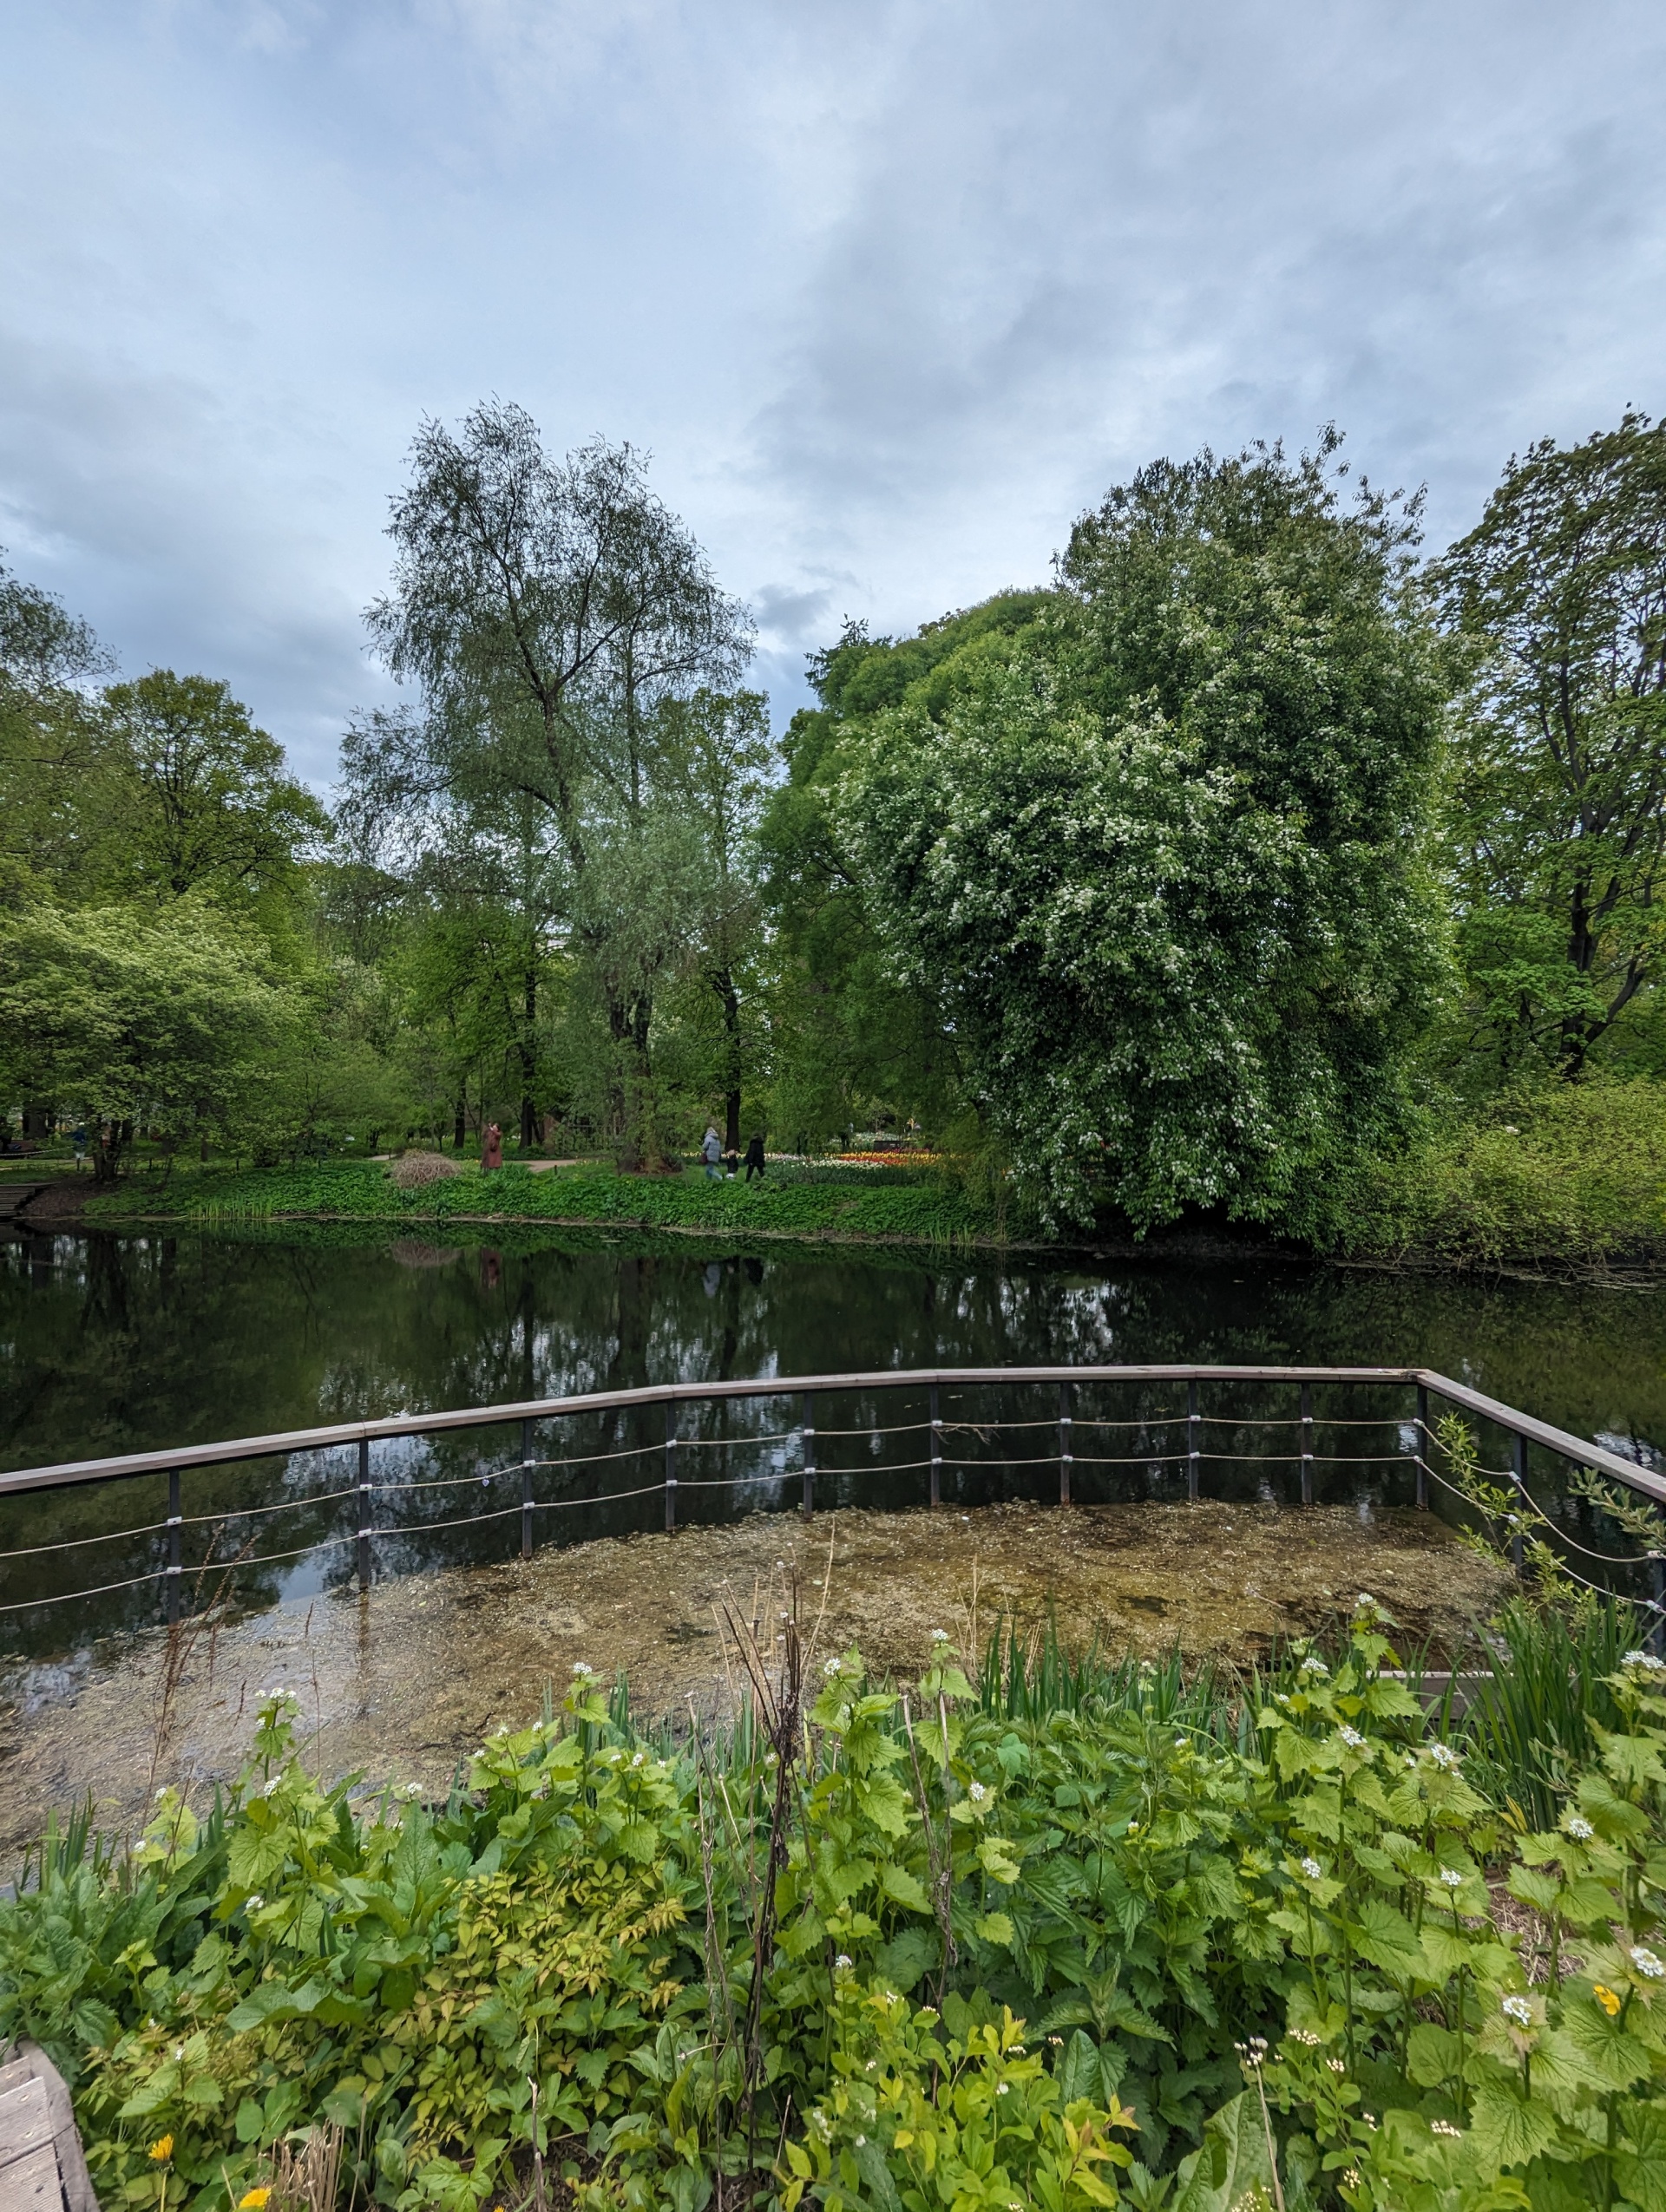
{"points": [[68, 1597], [73, 1543], [250, 1512]]}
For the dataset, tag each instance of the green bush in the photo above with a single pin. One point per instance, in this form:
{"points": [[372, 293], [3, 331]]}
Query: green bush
{"points": [[1574, 1176]]}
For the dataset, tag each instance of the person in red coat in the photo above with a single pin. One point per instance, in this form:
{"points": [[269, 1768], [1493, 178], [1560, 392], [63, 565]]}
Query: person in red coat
{"points": [[491, 1152]]}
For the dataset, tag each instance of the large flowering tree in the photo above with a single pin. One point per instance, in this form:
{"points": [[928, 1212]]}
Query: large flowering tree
{"points": [[1165, 861]]}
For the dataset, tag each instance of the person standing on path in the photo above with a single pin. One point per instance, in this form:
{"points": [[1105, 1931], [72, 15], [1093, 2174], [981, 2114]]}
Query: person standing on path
{"points": [[491, 1152], [755, 1157], [711, 1153]]}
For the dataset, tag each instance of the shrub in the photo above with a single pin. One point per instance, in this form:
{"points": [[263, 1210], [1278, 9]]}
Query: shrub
{"points": [[416, 1170]]}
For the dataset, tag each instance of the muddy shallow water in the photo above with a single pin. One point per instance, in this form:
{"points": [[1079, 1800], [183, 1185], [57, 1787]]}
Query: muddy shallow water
{"points": [[405, 1681]]}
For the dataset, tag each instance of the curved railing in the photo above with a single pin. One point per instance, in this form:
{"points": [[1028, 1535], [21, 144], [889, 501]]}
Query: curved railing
{"points": [[1065, 1427]]}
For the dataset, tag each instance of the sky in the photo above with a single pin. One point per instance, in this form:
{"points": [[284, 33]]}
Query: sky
{"points": [[889, 292]]}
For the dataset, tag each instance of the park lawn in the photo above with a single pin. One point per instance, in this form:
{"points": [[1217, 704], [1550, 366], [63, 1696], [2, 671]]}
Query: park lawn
{"points": [[927, 1211]]}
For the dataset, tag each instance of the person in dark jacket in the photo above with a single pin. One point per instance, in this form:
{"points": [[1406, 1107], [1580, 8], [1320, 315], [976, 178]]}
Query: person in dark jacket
{"points": [[754, 1158]]}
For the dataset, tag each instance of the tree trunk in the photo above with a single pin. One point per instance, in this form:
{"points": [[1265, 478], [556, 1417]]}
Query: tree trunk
{"points": [[530, 1062], [724, 983], [460, 1128]]}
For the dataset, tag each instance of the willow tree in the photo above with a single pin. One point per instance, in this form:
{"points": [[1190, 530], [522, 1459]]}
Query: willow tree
{"points": [[549, 610]]}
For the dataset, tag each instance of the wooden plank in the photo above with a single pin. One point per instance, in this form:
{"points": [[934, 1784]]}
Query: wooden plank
{"points": [[31, 2184], [25, 2120]]}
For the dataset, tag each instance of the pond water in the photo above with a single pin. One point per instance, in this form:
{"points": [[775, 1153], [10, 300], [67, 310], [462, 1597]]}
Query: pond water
{"points": [[111, 1344]]}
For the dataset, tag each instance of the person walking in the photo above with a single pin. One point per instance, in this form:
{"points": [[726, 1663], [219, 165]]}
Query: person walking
{"points": [[711, 1153], [78, 1138], [755, 1157], [491, 1152]]}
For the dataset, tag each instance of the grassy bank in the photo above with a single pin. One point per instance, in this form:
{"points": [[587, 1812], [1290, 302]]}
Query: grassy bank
{"points": [[923, 1210]]}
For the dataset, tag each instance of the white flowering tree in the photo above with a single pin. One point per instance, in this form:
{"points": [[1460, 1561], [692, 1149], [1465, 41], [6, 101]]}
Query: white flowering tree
{"points": [[1166, 864]]}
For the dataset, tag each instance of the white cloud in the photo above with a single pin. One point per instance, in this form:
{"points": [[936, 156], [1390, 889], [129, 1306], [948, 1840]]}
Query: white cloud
{"points": [[891, 291]]}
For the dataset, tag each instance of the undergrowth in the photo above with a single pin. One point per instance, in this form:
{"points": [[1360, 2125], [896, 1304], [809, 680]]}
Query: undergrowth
{"points": [[1081, 1934]]}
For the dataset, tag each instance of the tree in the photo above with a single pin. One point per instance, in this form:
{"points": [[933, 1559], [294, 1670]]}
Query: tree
{"points": [[1556, 600], [50, 738], [134, 1013], [549, 611], [859, 1037], [713, 758], [1165, 863], [209, 807]]}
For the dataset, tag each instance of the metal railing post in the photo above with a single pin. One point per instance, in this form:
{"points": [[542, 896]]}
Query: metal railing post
{"points": [[175, 1571], [671, 1464], [807, 1431], [936, 1450], [1066, 1407], [1656, 1638], [364, 1514], [526, 1490], [1306, 1443], [1422, 1439], [1193, 1442], [1519, 1464]]}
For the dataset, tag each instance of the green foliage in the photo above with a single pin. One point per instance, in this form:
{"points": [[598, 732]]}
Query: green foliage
{"points": [[1572, 1175], [1001, 1943], [1556, 604], [923, 1210], [1164, 865], [166, 1013]]}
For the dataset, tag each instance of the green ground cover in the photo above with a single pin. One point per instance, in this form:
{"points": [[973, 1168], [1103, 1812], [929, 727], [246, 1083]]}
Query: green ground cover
{"points": [[1078, 1935], [859, 1204]]}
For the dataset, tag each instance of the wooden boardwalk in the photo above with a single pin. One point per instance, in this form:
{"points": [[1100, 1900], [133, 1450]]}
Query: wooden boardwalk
{"points": [[42, 2168]]}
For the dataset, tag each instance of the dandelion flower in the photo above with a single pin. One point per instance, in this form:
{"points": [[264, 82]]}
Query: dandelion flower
{"points": [[254, 2200], [1607, 2000], [162, 2149]]}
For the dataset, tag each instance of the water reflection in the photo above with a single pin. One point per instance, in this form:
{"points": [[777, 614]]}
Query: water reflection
{"points": [[113, 1343]]}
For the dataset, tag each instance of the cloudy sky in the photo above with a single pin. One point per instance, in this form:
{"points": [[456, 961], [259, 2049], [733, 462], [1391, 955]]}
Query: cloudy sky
{"points": [[891, 289]]}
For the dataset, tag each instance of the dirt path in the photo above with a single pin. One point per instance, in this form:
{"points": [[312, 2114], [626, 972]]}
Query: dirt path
{"points": [[405, 1682]]}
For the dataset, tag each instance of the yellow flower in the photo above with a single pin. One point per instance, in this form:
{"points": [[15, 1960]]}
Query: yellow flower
{"points": [[1608, 2000], [162, 2148], [254, 2200]]}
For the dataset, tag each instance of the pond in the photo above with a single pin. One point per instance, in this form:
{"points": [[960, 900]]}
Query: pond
{"points": [[111, 1344]]}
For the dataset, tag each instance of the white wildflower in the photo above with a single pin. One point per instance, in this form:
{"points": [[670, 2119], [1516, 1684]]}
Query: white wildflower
{"points": [[1314, 1666], [830, 1666], [1451, 1878], [1645, 1661], [977, 1793], [1443, 1756], [1519, 2010], [1646, 1963], [1313, 1871], [1351, 1737], [581, 1668], [939, 1635], [1579, 1827], [1445, 2127], [253, 1901], [842, 1964]]}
